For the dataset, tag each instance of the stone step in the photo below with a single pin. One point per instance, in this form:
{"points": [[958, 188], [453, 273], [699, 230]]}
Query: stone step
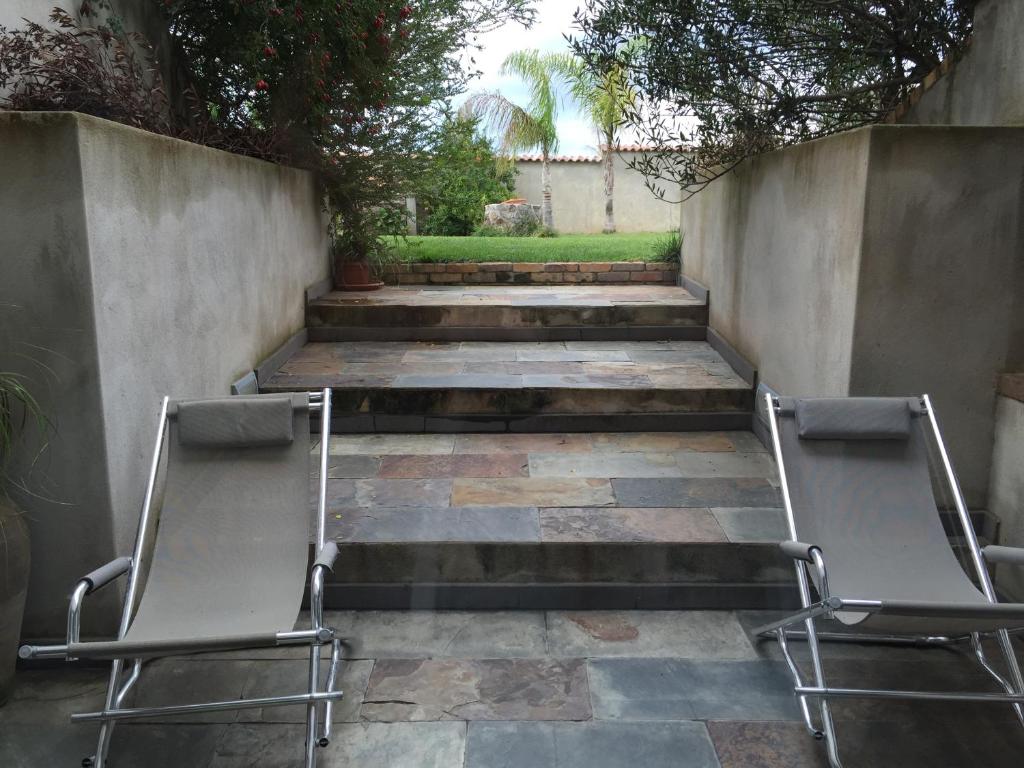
{"points": [[520, 386], [606, 520], [514, 313]]}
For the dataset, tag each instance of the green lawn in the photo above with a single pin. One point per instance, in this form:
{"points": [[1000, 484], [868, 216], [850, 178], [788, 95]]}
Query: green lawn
{"points": [[618, 247]]}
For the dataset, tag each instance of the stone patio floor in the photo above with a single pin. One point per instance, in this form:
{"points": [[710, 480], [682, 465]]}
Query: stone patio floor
{"points": [[578, 487], [608, 365], [526, 690]]}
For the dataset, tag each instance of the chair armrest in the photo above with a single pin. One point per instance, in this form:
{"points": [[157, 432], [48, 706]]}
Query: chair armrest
{"points": [[326, 557], [996, 554], [105, 574], [798, 550]]}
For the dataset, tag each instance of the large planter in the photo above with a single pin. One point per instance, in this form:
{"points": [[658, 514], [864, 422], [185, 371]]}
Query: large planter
{"points": [[14, 561], [355, 276]]}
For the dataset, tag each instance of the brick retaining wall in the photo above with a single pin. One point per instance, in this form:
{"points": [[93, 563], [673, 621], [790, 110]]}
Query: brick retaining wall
{"points": [[527, 273]]}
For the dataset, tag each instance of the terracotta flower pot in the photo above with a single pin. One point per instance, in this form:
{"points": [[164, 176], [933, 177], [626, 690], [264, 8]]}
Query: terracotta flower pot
{"points": [[355, 276], [14, 562]]}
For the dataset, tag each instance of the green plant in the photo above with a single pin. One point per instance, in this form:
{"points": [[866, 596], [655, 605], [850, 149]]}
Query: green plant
{"points": [[464, 176], [522, 228], [525, 128], [356, 89], [606, 96], [667, 248], [734, 78]]}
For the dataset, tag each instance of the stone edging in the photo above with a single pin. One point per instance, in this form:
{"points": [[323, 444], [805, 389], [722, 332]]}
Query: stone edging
{"points": [[528, 273]]}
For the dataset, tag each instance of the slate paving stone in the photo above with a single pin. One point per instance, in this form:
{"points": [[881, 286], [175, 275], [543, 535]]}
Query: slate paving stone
{"points": [[48, 697], [340, 467], [752, 523], [621, 524], [550, 355], [695, 492], [187, 680], [435, 524], [441, 634], [279, 678], [663, 442], [649, 634], [459, 381], [589, 745], [366, 745], [457, 465], [484, 689], [133, 744], [534, 491], [679, 689], [869, 744], [387, 444], [641, 465], [403, 493], [604, 464], [523, 443]]}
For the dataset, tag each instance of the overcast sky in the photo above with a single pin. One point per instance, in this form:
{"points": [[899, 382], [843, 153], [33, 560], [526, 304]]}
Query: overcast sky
{"points": [[554, 21]]}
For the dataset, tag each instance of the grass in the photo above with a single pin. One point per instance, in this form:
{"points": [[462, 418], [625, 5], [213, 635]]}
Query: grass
{"points": [[641, 246]]}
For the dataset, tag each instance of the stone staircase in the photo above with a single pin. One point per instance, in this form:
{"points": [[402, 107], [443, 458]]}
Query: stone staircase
{"points": [[525, 447]]}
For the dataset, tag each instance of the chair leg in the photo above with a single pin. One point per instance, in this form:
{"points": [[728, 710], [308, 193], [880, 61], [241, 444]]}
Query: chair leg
{"points": [[828, 731], [312, 708], [99, 760], [1016, 679]]}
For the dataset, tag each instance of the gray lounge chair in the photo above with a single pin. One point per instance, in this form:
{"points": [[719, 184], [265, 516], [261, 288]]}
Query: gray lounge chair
{"points": [[865, 531], [221, 563]]}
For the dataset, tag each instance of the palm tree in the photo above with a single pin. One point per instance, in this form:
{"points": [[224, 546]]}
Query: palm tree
{"points": [[525, 128], [605, 96]]}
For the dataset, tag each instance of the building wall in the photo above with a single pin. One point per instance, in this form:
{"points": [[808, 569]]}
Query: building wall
{"points": [[884, 260], [1006, 493], [577, 195], [150, 266], [986, 87], [777, 241]]}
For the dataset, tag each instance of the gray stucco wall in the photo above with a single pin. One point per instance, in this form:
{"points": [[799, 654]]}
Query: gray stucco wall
{"points": [[1006, 494], [778, 243], [986, 87], [163, 268], [884, 260], [577, 197]]}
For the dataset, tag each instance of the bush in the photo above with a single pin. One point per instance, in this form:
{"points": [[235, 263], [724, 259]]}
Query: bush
{"points": [[667, 248], [465, 175]]}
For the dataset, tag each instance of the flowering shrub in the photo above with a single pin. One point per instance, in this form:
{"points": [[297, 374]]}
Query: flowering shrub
{"points": [[355, 88]]}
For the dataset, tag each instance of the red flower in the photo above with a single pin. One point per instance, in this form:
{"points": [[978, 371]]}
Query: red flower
{"points": [[378, 22], [405, 12], [269, 52], [276, 12], [384, 40], [404, 34], [261, 85]]}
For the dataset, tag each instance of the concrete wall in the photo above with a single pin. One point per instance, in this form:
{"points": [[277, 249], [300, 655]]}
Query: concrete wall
{"points": [[884, 260], [986, 87], [147, 266], [577, 194], [1006, 492]]}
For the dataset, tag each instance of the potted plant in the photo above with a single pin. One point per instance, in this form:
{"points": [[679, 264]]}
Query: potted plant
{"points": [[360, 248], [18, 410]]}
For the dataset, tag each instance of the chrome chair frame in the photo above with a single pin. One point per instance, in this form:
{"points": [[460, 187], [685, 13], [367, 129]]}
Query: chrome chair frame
{"points": [[813, 557], [319, 700]]}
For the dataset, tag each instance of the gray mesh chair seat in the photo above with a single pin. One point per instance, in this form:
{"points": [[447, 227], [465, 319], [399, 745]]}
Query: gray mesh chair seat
{"points": [[866, 536], [222, 562]]}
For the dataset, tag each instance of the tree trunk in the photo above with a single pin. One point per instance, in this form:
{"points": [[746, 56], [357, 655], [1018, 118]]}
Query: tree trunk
{"points": [[546, 214], [609, 191]]}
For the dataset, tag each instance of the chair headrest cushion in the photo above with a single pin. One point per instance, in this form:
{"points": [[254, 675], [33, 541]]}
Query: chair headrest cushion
{"points": [[236, 422], [853, 418]]}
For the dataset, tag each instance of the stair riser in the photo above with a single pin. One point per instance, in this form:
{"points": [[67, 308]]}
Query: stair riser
{"points": [[391, 316], [561, 597], [509, 402], [635, 422], [486, 333]]}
